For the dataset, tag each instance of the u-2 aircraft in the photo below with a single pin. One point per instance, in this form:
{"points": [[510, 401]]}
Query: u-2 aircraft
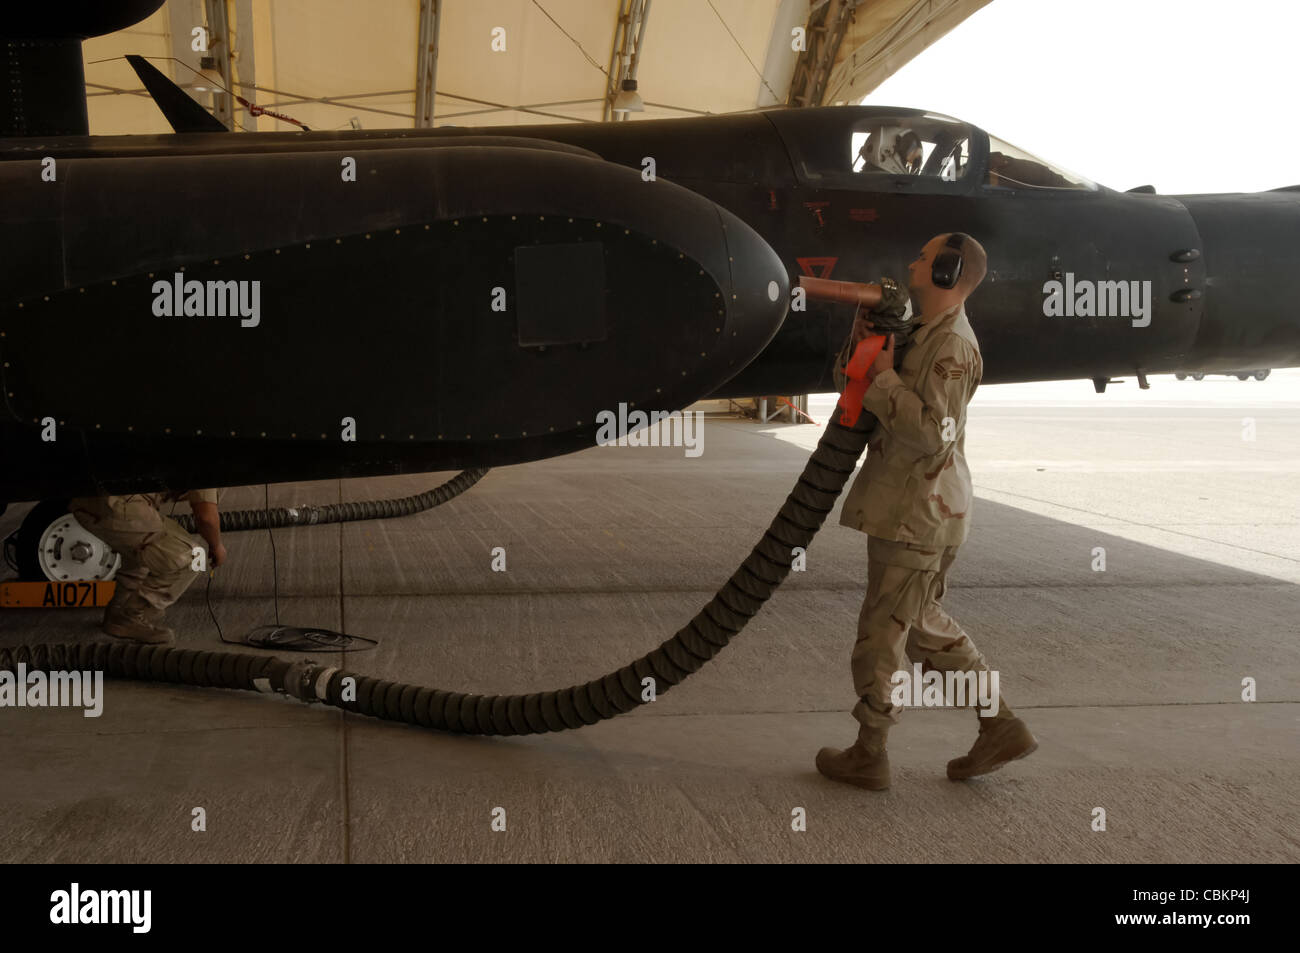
{"points": [[206, 308]]}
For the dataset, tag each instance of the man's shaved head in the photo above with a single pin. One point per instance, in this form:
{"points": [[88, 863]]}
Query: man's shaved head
{"points": [[929, 299], [974, 263]]}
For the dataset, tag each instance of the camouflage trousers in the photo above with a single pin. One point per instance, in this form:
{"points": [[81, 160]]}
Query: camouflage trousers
{"points": [[156, 553], [902, 621]]}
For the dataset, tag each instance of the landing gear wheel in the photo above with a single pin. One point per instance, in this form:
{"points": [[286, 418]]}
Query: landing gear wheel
{"points": [[1243, 377], [52, 545], [1180, 377], [1260, 375], [1198, 376]]}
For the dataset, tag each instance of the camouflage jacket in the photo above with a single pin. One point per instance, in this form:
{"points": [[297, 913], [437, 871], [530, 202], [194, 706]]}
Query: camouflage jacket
{"points": [[915, 485]]}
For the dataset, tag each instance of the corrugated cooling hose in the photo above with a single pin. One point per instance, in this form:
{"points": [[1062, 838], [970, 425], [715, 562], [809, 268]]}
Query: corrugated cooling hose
{"points": [[703, 637], [239, 520]]}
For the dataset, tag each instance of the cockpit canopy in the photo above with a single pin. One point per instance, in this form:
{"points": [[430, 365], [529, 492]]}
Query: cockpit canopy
{"points": [[1008, 167], [879, 149], [926, 145]]}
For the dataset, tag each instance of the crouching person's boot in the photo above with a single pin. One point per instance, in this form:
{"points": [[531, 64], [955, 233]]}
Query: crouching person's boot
{"points": [[128, 616], [1002, 738], [866, 764], [158, 619]]}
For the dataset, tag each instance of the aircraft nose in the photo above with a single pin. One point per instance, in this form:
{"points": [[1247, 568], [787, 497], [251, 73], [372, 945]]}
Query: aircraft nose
{"points": [[759, 292]]}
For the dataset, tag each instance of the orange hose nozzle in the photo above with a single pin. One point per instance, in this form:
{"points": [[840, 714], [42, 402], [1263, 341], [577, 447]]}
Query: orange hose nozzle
{"points": [[849, 292]]}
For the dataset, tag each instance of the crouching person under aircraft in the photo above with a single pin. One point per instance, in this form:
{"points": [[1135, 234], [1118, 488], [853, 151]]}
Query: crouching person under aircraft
{"points": [[158, 556], [913, 500]]}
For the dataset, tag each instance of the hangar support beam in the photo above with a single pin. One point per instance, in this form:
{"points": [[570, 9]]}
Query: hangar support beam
{"points": [[625, 53], [223, 104], [426, 62], [828, 21], [886, 35]]}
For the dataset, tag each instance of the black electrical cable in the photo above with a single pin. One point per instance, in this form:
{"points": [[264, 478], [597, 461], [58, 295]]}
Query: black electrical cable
{"points": [[275, 564], [288, 637], [207, 598], [240, 520], [275, 572], [794, 526]]}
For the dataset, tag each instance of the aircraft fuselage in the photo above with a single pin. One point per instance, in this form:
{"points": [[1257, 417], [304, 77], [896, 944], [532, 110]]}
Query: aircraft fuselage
{"points": [[381, 297]]}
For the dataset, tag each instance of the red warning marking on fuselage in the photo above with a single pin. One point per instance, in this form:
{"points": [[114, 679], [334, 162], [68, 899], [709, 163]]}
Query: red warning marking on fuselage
{"points": [[816, 209], [823, 266]]}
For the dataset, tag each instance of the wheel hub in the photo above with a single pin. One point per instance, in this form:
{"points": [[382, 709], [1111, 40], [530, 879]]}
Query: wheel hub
{"points": [[70, 553]]}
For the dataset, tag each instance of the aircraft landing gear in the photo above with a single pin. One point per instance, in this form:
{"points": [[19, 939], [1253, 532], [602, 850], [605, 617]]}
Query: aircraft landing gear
{"points": [[52, 545]]}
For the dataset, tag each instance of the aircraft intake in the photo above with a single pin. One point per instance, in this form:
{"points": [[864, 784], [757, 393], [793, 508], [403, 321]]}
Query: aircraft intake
{"points": [[459, 306]]}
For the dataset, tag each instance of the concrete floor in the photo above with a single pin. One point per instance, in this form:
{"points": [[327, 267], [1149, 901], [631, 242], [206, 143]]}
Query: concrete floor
{"points": [[1131, 678]]}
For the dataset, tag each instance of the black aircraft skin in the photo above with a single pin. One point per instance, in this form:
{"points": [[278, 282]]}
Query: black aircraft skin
{"points": [[476, 297]]}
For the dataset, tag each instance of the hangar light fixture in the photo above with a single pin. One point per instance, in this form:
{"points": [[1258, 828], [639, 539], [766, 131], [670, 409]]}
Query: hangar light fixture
{"points": [[628, 99], [208, 80]]}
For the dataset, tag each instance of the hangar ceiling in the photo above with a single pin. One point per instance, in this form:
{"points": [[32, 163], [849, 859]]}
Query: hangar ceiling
{"points": [[331, 64]]}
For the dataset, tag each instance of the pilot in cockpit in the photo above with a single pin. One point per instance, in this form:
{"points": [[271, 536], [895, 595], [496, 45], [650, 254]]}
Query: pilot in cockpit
{"points": [[892, 149]]}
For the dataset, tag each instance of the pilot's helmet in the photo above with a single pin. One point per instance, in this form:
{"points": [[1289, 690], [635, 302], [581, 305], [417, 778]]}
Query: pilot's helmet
{"points": [[895, 149]]}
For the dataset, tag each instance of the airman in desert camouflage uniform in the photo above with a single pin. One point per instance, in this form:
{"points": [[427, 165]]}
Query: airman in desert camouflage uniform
{"points": [[157, 555], [913, 498]]}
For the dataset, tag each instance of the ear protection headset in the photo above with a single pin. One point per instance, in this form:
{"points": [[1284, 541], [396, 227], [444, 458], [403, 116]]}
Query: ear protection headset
{"points": [[947, 264]]}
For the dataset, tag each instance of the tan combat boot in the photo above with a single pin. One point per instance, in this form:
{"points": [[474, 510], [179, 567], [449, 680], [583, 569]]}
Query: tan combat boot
{"points": [[1001, 739], [134, 619], [157, 619], [866, 764]]}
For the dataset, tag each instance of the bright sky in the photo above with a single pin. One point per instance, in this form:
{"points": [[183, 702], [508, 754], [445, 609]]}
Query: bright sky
{"points": [[1186, 95]]}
